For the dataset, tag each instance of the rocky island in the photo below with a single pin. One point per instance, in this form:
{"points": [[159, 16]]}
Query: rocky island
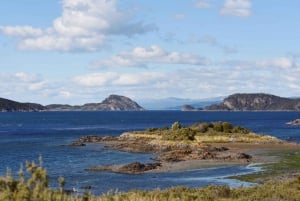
{"points": [[178, 148], [295, 122], [256, 102], [111, 103]]}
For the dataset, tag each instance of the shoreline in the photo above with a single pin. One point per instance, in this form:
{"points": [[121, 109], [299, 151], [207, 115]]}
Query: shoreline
{"points": [[260, 154]]}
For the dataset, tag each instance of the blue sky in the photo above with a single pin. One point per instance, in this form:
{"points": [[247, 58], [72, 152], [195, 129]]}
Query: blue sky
{"points": [[78, 51]]}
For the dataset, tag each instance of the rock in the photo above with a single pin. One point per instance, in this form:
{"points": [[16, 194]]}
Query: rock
{"points": [[243, 156], [296, 122], [137, 167], [190, 108], [132, 168], [77, 144]]}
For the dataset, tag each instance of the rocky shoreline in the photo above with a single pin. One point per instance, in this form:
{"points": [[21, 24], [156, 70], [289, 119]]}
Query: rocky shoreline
{"points": [[166, 153], [204, 144]]}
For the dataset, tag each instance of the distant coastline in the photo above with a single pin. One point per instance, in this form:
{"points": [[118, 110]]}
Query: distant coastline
{"points": [[235, 102], [111, 103]]}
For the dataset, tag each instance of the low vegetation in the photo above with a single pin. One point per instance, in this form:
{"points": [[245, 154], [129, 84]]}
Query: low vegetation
{"points": [[205, 132], [33, 186], [289, 162]]}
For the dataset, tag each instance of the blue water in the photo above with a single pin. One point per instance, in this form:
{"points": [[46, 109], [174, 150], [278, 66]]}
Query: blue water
{"points": [[25, 136]]}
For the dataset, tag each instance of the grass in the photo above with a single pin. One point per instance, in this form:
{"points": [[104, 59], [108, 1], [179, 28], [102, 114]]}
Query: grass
{"points": [[203, 132], [289, 162], [34, 187]]}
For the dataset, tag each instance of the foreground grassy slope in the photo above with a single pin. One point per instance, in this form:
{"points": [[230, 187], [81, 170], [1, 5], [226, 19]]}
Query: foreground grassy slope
{"points": [[35, 188]]}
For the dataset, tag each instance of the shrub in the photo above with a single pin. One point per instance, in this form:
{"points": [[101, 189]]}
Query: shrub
{"points": [[180, 134], [32, 185], [242, 130], [176, 126], [218, 127], [227, 127]]}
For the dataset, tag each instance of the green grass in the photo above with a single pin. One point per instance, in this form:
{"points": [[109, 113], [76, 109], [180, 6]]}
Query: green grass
{"points": [[289, 162]]}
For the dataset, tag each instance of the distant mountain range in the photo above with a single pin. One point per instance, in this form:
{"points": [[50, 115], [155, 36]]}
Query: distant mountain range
{"points": [[173, 103], [235, 102], [112, 103]]}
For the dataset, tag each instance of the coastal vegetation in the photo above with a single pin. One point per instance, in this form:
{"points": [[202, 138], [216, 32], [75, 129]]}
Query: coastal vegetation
{"points": [[32, 185], [203, 132]]}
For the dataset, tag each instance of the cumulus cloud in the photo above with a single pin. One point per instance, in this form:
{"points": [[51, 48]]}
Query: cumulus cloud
{"points": [[83, 25], [207, 81], [20, 83], [141, 57], [240, 8], [116, 79]]}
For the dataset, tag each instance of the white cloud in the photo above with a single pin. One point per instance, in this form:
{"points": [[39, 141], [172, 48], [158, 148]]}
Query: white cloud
{"points": [[116, 79], [83, 25], [141, 56], [95, 79], [203, 3], [21, 31], [281, 62], [240, 8]]}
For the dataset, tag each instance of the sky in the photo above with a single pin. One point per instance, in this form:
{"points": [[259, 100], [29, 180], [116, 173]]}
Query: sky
{"points": [[79, 51]]}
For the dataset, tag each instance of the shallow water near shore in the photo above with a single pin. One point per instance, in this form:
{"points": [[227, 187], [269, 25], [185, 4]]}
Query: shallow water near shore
{"points": [[25, 136]]}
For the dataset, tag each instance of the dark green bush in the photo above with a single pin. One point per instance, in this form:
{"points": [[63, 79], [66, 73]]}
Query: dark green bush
{"points": [[180, 134], [239, 129]]}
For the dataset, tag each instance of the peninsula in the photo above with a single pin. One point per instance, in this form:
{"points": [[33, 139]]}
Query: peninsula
{"points": [[197, 146]]}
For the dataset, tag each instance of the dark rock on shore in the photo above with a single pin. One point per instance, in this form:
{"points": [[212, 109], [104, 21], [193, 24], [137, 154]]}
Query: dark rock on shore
{"points": [[132, 168], [93, 139], [296, 122]]}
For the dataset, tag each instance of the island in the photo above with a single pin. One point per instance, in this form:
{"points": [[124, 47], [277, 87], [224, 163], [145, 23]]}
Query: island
{"points": [[256, 102], [111, 103], [295, 122], [201, 145]]}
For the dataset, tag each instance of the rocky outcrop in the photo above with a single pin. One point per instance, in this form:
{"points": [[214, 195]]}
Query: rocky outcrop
{"points": [[13, 106], [256, 102], [296, 122], [112, 103], [190, 108], [131, 168]]}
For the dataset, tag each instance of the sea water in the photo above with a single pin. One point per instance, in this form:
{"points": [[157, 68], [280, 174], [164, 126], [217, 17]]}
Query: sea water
{"points": [[26, 136]]}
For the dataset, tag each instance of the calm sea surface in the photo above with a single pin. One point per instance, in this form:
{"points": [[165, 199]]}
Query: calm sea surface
{"points": [[25, 136]]}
